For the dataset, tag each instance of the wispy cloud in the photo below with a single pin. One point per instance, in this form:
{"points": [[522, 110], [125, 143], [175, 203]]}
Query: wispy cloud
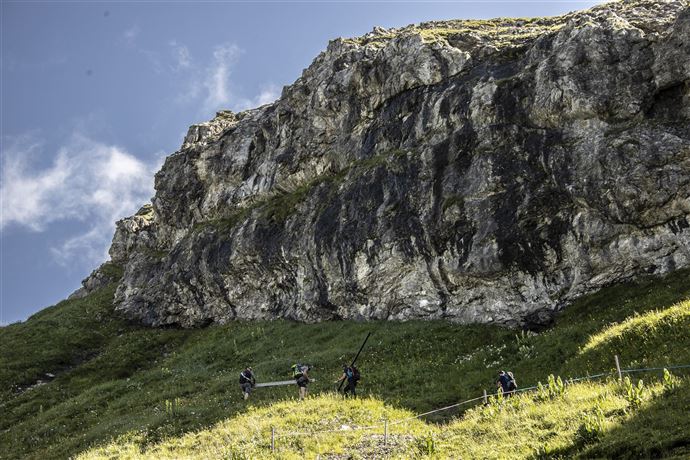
{"points": [[268, 94], [217, 79], [211, 86], [88, 247], [130, 35], [88, 181], [131, 39], [181, 56]]}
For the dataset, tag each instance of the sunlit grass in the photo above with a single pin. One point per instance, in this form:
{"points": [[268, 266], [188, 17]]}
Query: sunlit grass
{"points": [[321, 424], [114, 378], [528, 426], [672, 322]]}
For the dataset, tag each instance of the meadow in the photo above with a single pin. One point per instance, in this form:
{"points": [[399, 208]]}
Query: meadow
{"points": [[122, 390]]}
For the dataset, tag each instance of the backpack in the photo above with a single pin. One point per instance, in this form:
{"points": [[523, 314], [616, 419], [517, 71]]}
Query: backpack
{"points": [[299, 369], [352, 374], [512, 384], [244, 378]]}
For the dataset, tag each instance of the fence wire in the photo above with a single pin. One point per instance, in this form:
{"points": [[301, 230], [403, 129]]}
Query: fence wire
{"points": [[684, 366], [348, 429]]}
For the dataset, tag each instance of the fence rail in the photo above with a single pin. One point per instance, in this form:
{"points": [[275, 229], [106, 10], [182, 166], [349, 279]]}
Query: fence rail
{"points": [[387, 423]]}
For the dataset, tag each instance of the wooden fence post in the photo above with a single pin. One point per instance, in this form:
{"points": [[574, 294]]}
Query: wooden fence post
{"points": [[486, 399], [385, 432], [273, 439], [618, 367]]}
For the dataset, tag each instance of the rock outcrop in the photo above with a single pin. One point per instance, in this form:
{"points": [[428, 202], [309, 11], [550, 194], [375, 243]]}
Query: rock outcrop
{"points": [[475, 171]]}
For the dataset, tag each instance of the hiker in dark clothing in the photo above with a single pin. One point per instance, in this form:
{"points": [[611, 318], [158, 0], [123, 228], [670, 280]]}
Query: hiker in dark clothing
{"points": [[503, 382], [351, 374], [301, 374], [247, 381], [512, 385]]}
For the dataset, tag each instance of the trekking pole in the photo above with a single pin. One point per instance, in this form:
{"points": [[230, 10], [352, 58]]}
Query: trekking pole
{"points": [[356, 356]]}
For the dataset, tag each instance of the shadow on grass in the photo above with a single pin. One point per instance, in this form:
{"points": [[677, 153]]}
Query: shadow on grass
{"points": [[659, 429]]}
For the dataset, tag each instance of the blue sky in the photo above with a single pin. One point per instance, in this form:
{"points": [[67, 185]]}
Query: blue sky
{"points": [[95, 94]]}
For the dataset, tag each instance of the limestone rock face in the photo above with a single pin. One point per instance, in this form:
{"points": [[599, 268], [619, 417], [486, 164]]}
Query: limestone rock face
{"points": [[475, 171]]}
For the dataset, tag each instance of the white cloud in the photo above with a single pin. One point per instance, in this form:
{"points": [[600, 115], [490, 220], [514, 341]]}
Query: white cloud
{"points": [[268, 94], [130, 35], [217, 78], [211, 86], [88, 182], [181, 55], [22, 198], [90, 247]]}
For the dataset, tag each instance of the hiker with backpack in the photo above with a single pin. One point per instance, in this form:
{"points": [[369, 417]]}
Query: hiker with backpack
{"points": [[300, 372], [512, 384], [502, 382], [247, 381], [506, 383], [351, 373]]}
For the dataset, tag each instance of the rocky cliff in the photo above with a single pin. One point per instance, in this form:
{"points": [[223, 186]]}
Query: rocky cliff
{"points": [[475, 171]]}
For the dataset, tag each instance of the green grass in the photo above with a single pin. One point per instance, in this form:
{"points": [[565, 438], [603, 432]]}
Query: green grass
{"points": [[585, 420], [55, 339], [117, 379]]}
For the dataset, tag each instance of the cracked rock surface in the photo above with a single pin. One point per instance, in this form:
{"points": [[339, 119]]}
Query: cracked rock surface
{"points": [[475, 171]]}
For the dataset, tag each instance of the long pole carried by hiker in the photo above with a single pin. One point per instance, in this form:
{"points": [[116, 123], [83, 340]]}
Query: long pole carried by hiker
{"points": [[353, 361]]}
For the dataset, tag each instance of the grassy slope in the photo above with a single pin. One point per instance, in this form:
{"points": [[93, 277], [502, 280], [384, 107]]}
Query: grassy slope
{"points": [[114, 378], [587, 420]]}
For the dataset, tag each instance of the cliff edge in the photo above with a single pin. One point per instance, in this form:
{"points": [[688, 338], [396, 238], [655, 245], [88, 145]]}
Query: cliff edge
{"points": [[475, 171]]}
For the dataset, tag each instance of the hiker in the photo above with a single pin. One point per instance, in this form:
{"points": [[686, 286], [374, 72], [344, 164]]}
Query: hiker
{"points": [[247, 381], [301, 374], [503, 382], [351, 373], [512, 384]]}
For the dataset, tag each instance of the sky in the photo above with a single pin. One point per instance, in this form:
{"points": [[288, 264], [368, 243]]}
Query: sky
{"points": [[94, 95]]}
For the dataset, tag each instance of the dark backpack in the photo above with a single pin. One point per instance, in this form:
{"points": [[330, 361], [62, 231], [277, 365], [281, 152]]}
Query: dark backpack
{"points": [[352, 373], [245, 379], [512, 384]]}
